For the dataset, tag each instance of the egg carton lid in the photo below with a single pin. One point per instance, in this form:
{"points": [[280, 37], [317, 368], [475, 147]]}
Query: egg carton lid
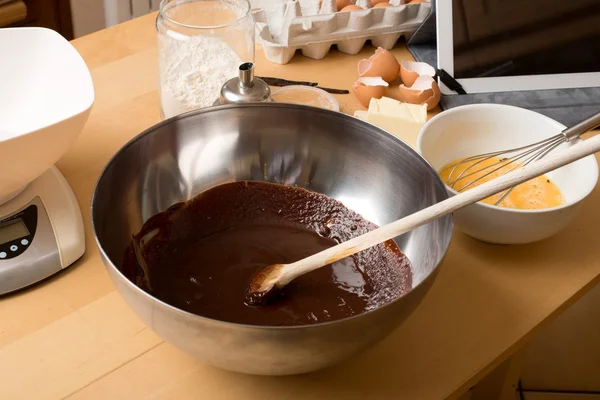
{"points": [[335, 27]]}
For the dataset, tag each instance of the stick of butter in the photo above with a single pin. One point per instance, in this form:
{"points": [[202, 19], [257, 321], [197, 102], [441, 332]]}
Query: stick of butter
{"points": [[403, 120]]}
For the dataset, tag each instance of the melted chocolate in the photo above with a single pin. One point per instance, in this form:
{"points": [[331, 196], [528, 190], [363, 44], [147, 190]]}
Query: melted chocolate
{"points": [[200, 255]]}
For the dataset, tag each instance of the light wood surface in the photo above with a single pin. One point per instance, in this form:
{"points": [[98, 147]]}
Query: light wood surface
{"points": [[73, 336]]}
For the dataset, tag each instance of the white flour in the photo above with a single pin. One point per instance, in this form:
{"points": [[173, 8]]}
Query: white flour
{"points": [[192, 71]]}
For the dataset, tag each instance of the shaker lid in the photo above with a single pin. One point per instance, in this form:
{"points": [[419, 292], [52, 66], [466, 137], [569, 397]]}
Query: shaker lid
{"points": [[245, 88]]}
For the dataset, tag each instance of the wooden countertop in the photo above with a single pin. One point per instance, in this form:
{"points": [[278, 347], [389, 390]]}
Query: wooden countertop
{"points": [[73, 336]]}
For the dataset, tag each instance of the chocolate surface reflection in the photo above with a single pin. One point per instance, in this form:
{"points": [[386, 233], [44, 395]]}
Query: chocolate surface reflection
{"points": [[199, 256]]}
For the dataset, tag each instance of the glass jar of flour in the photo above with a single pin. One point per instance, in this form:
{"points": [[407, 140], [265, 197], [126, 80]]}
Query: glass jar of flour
{"points": [[201, 44]]}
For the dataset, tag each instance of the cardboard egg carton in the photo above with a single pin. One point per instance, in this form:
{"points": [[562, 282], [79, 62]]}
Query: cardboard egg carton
{"points": [[284, 29]]}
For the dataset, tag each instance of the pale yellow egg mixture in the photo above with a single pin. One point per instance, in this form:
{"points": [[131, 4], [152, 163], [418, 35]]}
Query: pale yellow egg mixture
{"points": [[535, 194]]}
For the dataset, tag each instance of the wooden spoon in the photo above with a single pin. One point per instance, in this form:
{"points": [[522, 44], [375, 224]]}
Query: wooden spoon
{"points": [[270, 279]]}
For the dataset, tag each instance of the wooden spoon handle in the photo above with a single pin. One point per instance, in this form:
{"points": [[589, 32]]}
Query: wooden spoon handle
{"points": [[410, 222]]}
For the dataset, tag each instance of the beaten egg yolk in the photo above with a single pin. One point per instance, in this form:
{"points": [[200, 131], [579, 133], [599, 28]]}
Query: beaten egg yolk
{"points": [[535, 194]]}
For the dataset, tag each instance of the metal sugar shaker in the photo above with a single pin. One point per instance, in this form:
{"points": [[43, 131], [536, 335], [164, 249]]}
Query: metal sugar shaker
{"points": [[246, 88]]}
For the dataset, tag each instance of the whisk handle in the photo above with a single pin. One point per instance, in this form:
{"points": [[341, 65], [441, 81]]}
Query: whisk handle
{"points": [[582, 127]]}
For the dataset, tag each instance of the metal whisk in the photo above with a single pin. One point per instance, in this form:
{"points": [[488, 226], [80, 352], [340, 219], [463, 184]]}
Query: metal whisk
{"points": [[516, 158]]}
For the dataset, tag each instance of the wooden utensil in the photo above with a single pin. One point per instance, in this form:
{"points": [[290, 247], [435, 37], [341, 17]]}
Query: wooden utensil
{"points": [[268, 280]]}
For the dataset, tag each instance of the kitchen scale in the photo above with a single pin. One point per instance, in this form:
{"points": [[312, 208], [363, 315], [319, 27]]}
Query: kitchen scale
{"points": [[46, 97], [41, 232]]}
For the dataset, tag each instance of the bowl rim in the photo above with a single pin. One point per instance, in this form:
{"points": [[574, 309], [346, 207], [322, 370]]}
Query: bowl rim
{"points": [[483, 106], [108, 263]]}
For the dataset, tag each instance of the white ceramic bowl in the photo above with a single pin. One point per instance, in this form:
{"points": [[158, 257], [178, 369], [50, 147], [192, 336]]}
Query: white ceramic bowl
{"points": [[307, 95], [474, 129], [46, 95]]}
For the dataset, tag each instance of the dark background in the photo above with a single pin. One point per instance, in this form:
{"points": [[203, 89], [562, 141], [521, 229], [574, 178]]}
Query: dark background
{"points": [[525, 37]]}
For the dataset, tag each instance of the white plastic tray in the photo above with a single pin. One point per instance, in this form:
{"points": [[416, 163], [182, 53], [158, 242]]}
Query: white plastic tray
{"points": [[315, 34]]}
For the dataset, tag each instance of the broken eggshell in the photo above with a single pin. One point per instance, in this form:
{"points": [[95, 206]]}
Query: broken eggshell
{"points": [[411, 70], [382, 64], [424, 90], [364, 89]]}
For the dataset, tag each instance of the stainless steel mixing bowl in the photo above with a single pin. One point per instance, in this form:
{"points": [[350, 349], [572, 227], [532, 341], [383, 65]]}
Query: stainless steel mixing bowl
{"points": [[366, 168]]}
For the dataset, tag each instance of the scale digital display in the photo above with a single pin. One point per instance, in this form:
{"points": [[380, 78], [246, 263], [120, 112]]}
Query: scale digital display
{"points": [[13, 230], [41, 232]]}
